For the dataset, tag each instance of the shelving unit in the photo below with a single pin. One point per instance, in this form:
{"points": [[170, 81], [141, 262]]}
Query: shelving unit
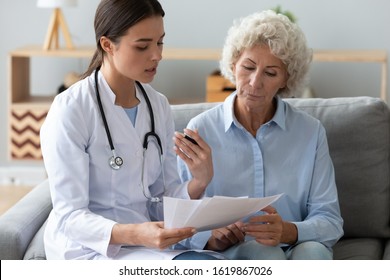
{"points": [[27, 112]]}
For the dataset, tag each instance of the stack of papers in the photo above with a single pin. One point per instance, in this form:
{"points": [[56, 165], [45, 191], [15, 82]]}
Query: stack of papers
{"points": [[211, 212]]}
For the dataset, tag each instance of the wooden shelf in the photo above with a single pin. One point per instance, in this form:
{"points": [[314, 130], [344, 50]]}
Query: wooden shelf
{"points": [[191, 54], [38, 51], [27, 111], [86, 51], [350, 56], [37, 101]]}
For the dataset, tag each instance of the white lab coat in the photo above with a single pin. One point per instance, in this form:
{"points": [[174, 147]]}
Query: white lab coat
{"points": [[89, 197]]}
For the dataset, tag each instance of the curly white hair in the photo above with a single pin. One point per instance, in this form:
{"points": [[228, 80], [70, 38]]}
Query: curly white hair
{"points": [[284, 38]]}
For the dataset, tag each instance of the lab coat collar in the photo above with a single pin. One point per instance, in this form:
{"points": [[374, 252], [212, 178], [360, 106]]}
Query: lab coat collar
{"points": [[107, 90]]}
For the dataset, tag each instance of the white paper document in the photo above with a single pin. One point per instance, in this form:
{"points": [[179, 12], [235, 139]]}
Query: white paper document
{"points": [[211, 212]]}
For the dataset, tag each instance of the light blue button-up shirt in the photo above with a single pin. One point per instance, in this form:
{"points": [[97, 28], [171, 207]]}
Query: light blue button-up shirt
{"points": [[289, 155]]}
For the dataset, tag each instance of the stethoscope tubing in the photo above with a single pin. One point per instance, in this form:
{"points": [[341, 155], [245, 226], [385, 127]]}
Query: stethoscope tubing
{"points": [[152, 132], [102, 111], [116, 161]]}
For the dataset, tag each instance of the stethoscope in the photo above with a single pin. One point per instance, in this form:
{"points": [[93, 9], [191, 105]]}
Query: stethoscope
{"points": [[115, 161]]}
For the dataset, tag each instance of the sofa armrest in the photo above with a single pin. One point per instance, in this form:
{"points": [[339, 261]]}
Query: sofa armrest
{"points": [[386, 254], [20, 223]]}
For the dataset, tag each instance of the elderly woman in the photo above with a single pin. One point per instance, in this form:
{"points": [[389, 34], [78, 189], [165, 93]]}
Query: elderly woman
{"points": [[263, 146]]}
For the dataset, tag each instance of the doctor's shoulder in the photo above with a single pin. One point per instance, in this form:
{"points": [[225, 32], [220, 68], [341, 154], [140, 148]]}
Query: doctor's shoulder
{"points": [[75, 98], [80, 91]]}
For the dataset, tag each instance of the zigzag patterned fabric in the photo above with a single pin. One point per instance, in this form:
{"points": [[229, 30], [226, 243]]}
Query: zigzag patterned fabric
{"points": [[25, 126]]}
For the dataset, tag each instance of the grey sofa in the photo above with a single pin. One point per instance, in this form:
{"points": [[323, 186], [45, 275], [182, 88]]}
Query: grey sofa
{"points": [[358, 130]]}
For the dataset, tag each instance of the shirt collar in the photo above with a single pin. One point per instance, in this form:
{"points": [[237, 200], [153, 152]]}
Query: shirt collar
{"points": [[280, 114], [230, 119], [228, 109]]}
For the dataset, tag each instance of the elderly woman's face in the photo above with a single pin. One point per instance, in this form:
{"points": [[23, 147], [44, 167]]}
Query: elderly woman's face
{"points": [[259, 75]]}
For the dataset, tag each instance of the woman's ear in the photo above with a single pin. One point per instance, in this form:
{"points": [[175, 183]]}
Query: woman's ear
{"points": [[106, 44]]}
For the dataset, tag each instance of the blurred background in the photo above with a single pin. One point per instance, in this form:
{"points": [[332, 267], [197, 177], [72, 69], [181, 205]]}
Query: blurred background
{"points": [[328, 24]]}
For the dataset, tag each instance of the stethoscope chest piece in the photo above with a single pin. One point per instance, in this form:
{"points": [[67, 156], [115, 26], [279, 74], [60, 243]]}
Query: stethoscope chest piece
{"points": [[115, 162]]}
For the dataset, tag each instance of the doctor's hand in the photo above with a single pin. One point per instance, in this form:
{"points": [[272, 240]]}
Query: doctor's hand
{"points": [[270, 229], [198, 158], [149, 234], [223, 238]]}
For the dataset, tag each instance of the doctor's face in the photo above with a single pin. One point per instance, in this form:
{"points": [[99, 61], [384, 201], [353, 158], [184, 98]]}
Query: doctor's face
{"points": [[138, 53]]}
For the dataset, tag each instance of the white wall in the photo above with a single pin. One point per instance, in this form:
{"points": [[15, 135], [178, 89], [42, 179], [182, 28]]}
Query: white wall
{"points": [[328, 24]]}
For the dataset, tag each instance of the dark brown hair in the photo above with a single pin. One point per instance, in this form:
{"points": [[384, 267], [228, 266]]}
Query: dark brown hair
{"points": [[114, 17]]}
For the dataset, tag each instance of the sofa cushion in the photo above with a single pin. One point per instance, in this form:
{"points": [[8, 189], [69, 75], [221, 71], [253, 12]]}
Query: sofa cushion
{"points": [[36, 248], [358, 136], [358, 249]]}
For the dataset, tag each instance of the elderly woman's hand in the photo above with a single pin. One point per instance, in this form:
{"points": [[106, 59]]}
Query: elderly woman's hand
{"points": [[197, 156], [270, 229], [223, 238]]}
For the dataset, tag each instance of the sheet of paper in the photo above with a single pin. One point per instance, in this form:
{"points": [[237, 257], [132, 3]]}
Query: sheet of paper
{"points": [[211, 212]]}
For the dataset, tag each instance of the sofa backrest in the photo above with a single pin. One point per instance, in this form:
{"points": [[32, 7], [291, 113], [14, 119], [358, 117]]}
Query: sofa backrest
{"points": [[183, 113], [358, 136], [358, 131]]}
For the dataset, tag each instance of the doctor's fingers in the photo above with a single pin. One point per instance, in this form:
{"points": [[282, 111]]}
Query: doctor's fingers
{"points": [[173, 236], [154, 235]]}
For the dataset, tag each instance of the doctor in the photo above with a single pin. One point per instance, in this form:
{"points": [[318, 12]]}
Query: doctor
{"points": [[107, 145]]}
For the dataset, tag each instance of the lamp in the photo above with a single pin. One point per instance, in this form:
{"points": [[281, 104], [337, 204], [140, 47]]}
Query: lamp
{"points": [[57, 21]]}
